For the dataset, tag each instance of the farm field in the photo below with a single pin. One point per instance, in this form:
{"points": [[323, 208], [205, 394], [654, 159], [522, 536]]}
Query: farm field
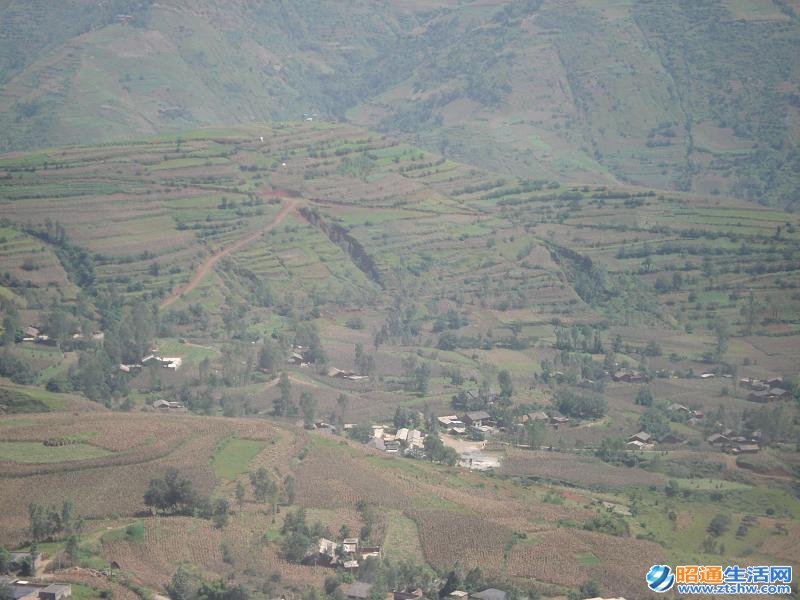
{"points": [[229, 302]]}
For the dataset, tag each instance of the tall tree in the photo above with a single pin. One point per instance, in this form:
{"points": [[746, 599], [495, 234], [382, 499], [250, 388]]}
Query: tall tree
{"points": [[308, 406], [283, 405]]}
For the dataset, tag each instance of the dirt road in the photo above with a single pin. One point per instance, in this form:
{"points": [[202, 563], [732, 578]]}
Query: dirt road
{"points": [[209, 263]]}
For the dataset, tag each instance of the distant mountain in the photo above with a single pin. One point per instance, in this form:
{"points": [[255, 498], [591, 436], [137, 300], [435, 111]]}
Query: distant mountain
{"points": [[687, 96]]}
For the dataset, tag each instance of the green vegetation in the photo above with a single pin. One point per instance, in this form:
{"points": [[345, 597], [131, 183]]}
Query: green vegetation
{"points": [[233, 457]]}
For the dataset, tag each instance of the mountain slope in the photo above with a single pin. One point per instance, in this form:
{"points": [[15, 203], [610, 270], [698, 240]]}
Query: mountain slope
{"points": [[675, 96]]}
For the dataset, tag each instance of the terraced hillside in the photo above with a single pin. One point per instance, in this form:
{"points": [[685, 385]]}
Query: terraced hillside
{"points": [[697, 98], [332, 274], [519, 530]]}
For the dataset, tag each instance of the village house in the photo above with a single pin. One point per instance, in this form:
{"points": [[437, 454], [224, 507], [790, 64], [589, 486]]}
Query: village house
{"points": [[671, 438], [637, 445], [476, 418], [452, 424], [358, 590], [628, 376], [55, 592], [295, 358], [167, 405], [22, 590], [535, 417], [642, 437], [490, 594], [173, 363], [717, 439], [404, 595], [458, 595], [746, 448], [369, 552], [350, 545]]}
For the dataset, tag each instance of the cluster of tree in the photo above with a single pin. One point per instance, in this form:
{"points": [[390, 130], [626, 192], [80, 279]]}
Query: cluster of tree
{"points": [[580, 405], [306, 334], [185, 586], [172, 493], [298, 536], [655, 421], [77, 261], [365, 363], [436, 451], [283, 405], [417, 374], [582, 338], [49, 522]]}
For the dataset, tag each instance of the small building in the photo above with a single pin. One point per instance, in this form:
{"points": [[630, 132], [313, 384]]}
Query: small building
{"points": [[637, 445], [350, 545], [22, 591], [458, 595], [168, 405], [377, 443], [391, 446], [490, 594], [407, 595], [671, 438], [359, 590], [746, 449], [476, 418], [558, 420], [762, 396], [350, 565], [295, 358], [55, 592], [675, 407], [717, 439], [370, 552], [537, 416], [642, 436]]}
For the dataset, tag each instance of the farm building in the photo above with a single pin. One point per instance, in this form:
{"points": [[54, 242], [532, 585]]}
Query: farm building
{"points": [[717, 439], [370, 552], [406, 595], [762, 396], [55, 592], [168, 405], [350, 545], [458, 595], [642, 436], [637, 445], [490, 594], [476, 418], [671, 438], [746, 449], [359, 590], [24, 592], [536, 416]]}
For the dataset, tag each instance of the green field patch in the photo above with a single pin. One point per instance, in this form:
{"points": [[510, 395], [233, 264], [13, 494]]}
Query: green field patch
{"points": [[233, 456], [37, 452], [133, 533], [402, 540], [588, 559]]}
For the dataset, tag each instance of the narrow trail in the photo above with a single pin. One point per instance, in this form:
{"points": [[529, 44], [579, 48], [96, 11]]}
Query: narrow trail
{"points": [[209, 263]]}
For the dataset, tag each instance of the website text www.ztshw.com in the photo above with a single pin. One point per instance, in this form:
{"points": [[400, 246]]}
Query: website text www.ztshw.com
{"points": [[707, 579]]}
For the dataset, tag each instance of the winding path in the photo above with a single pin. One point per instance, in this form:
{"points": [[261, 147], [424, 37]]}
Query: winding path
{"points": [[208, 264]]}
